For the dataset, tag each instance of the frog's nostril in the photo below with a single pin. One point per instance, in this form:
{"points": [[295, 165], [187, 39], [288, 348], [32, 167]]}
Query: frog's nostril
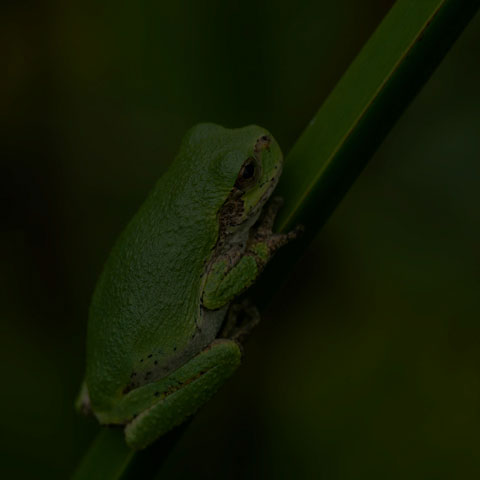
{"points": [[262, 143]]}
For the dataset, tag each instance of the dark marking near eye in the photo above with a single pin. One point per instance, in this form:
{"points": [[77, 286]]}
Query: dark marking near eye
{"points": [[265, 138]]}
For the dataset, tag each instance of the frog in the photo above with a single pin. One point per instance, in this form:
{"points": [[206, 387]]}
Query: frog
{"points": [[159, 344]]}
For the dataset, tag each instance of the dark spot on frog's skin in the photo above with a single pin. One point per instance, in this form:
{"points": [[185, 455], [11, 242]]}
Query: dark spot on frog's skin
{"points": [[134, 374], [155, 362], [151, 355], [141, 360], [174, 348], [156, 394]]}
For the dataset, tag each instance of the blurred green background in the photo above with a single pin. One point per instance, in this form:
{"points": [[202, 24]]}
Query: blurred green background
{"points": [[367, 363]]}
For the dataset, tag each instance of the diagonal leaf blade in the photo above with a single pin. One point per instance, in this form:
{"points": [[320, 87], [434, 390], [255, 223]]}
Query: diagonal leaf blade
{"points": [[360, 111]]}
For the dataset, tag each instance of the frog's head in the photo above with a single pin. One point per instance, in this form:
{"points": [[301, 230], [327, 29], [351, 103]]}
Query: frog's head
{"points": [[240, 168], [255, 165], [258, 174]]}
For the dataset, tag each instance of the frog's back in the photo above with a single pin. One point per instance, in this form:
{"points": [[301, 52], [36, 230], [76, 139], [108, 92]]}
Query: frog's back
{"points": [[147, 300]]}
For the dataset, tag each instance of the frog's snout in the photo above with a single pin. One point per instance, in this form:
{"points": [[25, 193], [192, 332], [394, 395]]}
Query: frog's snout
{"points": [[263, 143]]}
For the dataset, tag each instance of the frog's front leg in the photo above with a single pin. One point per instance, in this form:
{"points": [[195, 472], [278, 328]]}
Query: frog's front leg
{"points": [[225, 282], [179, 395]]}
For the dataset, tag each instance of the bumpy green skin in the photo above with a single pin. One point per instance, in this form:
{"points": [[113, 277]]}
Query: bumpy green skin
{"points": [[150, 361]]}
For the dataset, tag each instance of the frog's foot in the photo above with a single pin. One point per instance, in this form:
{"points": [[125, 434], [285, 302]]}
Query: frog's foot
{"points": [[224, 281], [263, 235], [268, 218], [241, 319]]}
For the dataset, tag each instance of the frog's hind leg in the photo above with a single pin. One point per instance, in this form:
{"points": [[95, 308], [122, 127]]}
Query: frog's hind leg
{"points": [[241, 319], [183, 392]]}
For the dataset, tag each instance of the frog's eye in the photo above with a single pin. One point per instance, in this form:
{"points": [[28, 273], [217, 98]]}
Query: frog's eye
{"points": [[248, 174]]}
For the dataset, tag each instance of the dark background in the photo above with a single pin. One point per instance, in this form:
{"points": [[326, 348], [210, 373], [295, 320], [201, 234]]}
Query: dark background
{"points": [[367, 364]]}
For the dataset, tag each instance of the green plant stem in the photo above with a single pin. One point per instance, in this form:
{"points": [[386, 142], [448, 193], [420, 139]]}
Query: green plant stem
{"points": [[107, 457], [386, 75]]}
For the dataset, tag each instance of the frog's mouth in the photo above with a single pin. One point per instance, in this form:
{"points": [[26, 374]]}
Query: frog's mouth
{"points": [[243, 204], [232, 213]]}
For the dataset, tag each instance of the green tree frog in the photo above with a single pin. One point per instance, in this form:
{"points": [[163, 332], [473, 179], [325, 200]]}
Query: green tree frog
{"points": [[155, 352]]}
